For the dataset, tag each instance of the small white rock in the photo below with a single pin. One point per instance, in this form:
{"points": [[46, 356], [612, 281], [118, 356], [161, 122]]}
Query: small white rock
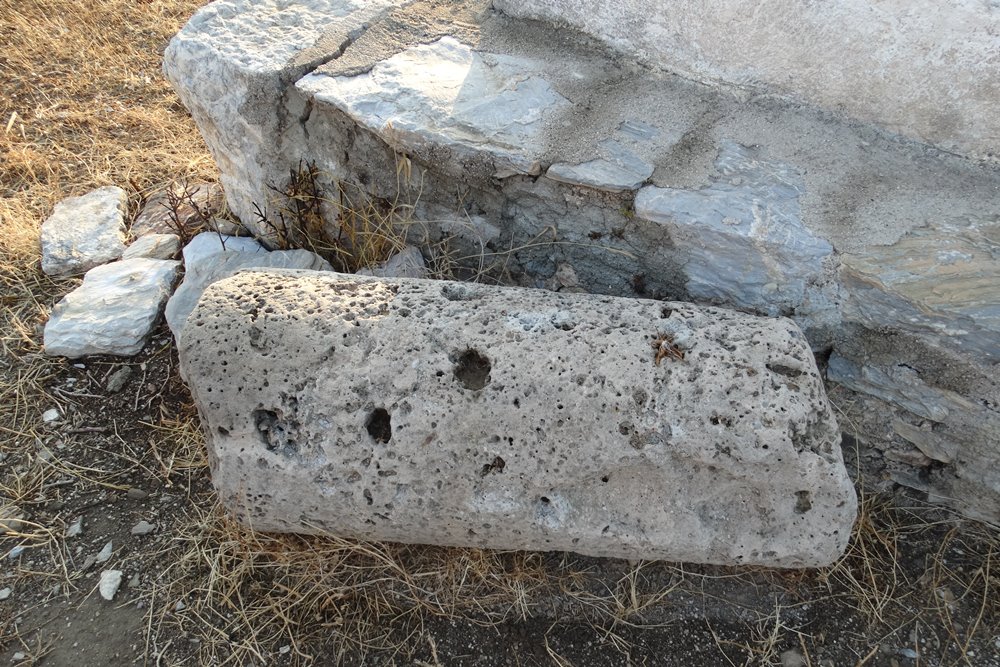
{"points": [[75, 528], [15, 552], [110, 581], [105, 554], [51, 415], [143, 528], [18, 657], [5, 593], [180, 606], [84, 232]]}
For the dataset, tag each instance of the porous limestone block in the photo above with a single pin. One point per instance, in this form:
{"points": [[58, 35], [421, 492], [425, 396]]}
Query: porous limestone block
{"points": [[451, 413], [84, 232]]}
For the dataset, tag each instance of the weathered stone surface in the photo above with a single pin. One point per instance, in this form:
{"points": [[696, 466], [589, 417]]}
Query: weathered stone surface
{"points": [[238, 55], [941, 281], [183, 205], [472, 104], [84, 232], [742, 236], [407, 263], [113, 311], [210, 257], [154, 246], [451, 413], [615, 170], [869, 60], [903, 404]]}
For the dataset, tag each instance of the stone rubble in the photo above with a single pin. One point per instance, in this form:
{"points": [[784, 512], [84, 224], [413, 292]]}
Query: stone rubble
{"points": [[113, 311], [84, 232], [111, 581]]}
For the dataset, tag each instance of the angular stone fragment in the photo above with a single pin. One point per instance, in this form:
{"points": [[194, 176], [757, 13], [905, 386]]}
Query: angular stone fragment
{"points": [[113, 311], [210, 257], [182, 206], [452, 413], [154, 246], [84, 232], [617, 169]]}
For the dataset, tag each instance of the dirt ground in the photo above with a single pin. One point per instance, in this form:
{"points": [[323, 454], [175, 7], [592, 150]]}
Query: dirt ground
{"points": [[122, 462]]}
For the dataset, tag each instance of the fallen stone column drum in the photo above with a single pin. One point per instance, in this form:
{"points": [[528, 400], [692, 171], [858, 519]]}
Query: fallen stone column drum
{"points": [[459, 414]]}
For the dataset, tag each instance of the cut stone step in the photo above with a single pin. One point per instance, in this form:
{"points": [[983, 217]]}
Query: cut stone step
{"points": [[535, 150], [459, 414]]}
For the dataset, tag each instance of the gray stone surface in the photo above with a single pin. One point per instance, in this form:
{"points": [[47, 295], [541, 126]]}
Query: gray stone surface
{"points": [[238, 55], [472, 105], [179, 205], [941, 281], [210, 257], [407, 263], [84, 232], [883, 62], [742, 236], [113, 311], [452, 413], [154, 246], [615, 170], [913, 397]]}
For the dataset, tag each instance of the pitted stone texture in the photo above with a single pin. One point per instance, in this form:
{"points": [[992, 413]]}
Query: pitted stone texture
{"points": [[452, 413], [743, 237], [447, 95], [113, 311], [210, 257], [84, 232]]}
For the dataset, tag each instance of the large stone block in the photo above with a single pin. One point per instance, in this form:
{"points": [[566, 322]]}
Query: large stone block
{"points": [[883, 62], [450, 413]]}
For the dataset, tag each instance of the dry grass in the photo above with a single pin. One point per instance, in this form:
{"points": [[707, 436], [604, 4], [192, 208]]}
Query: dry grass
{"points": [[87, 106]]}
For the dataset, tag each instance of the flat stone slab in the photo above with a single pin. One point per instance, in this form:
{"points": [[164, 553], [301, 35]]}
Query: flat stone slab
{"points": [[452, 413], [210, 256], [84, 232], [113, 311]]}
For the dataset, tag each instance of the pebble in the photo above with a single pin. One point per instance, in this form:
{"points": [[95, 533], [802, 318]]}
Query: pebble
{"points": [[136, 493], [110, 581], [180, 606], [51, 415], [15, 552], [105, 554], [18, 657], [134, 581], [10, 519], [792, 658], [75, 528], [143, 528], [118, 379], [5, 593]]}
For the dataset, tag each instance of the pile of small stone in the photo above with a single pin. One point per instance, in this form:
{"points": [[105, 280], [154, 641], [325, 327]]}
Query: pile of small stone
{"points": [[129, 275]]}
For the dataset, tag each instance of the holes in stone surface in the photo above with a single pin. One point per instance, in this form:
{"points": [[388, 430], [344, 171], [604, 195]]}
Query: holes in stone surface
{"points": [[787, 371], [496, 465], [222, 431], [472, 369], [368, 496], [803, 502], [605, 478], [379, 425], [457, 293]]}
